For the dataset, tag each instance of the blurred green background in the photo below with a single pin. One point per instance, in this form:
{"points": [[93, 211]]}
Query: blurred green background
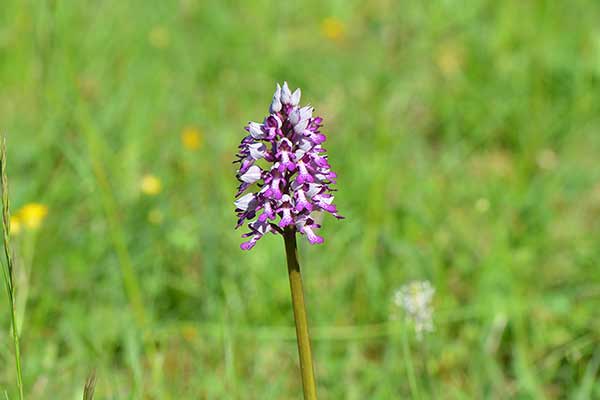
{"points": [[466, 140]]}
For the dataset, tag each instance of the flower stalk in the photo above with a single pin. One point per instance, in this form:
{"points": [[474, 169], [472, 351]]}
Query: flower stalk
{"points": [[300, 317], [8, 270], [286, 185]]}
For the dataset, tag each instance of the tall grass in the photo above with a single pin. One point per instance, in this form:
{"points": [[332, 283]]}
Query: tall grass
{"points": [[8, 268]]}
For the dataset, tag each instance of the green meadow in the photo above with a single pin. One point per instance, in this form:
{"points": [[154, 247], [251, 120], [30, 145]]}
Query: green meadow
{"points": [[466, 139]]}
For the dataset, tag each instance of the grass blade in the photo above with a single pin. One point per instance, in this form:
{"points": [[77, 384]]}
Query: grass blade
{"points": [[90, 386], [8, 269], [589, 379]]}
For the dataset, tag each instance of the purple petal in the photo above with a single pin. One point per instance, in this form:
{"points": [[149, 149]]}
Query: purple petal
{"points": [[248, 245], [312, 237], [286, 218]]}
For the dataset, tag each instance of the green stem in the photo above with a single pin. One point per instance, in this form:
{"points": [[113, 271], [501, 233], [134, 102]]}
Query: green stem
{"points": [[306, 363], [410, 370], [17, 349]]}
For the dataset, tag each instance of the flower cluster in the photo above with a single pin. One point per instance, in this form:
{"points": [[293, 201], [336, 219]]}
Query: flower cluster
{"points": [[415, 298], [295, 180]]}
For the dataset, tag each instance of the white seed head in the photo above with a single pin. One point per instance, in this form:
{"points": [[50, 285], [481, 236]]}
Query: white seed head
{"points": [[415, 299]]}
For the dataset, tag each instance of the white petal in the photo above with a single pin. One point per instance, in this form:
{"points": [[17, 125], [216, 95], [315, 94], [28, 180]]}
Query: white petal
{"points": [[286, 95], [296, 97], [252, 175], [300, 222], [306, 112], [299, 154], [243, 202], [278, 120], [275, 106], [277, 93], [255, 130], [276, 103], [295, 117], [313, 188], [304, 145], [301, 126], [327, 200], [257, 150]]}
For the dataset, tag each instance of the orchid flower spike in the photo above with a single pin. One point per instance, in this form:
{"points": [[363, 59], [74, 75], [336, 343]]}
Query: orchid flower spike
{"points": [[295, 186]]}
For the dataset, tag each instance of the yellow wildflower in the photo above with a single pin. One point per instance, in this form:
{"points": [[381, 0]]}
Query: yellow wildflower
{"points": [[32, 215], [332, 28], [191, 138], [15, 225], [159, 37], [151, 185]]}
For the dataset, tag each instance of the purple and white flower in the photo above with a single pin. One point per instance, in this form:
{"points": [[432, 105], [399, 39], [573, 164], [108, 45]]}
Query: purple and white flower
{"points": [[293, 181]]}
